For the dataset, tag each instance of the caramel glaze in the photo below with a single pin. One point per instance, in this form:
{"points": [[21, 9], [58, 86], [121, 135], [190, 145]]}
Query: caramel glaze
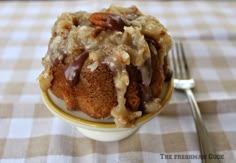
{"points": [[72, 71], [117, 23], [150, 73], [140, 80]]}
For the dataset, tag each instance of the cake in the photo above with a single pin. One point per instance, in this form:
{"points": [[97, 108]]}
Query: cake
{"points": [[111, 63]]}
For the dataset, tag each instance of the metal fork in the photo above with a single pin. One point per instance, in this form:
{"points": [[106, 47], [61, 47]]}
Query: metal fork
{"points": [[183, 81]]}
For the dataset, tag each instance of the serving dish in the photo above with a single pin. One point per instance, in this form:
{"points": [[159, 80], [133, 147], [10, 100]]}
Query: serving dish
{"points": [[102, 129]]}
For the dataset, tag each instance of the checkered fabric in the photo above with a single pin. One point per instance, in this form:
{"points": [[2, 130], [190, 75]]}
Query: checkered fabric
{"points": [[30, 133]]}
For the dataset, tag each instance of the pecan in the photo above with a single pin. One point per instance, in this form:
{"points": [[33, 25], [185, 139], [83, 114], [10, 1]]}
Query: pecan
{"points": [[108, 20], [96, 32]]}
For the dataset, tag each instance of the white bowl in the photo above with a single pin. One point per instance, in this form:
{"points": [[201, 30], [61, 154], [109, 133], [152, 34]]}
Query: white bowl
{"points": [[105, 129]]}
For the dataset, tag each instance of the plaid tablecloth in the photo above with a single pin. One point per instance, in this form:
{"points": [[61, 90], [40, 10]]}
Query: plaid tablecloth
{"points": [[30, 133]]}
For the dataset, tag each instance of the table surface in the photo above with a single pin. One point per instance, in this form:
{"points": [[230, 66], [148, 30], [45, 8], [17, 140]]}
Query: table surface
{"points": [[30, 133]]}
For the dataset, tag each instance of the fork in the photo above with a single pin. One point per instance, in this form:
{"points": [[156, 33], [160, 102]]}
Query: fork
{"points": [[184, 81]]}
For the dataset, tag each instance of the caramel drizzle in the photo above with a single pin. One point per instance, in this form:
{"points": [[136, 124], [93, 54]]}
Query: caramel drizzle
{"points": [[146, 73], [73, 70]]}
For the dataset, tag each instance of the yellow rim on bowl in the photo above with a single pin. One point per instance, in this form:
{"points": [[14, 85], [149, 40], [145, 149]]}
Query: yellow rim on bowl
{"points": [[76, 120]]}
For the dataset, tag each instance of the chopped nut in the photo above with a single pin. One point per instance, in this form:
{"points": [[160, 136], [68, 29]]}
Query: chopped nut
{"points": [[125, 58], [108, 20]]}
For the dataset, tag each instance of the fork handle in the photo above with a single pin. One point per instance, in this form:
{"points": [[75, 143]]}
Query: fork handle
{"points": [[207, 148]]}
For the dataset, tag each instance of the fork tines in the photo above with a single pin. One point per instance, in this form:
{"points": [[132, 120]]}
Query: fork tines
{"points": [[178, 61]]}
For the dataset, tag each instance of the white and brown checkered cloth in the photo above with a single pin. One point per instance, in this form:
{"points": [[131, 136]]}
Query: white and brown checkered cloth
{"points": [[29, 133]]}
